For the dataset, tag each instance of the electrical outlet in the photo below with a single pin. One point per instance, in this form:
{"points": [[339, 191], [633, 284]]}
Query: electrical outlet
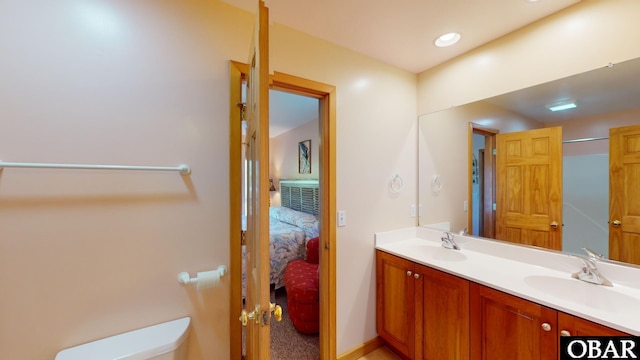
{"points": [[342, 218], [413, 211]]}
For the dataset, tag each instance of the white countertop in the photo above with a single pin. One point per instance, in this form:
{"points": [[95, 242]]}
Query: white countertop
{"points": [[537, 275]]}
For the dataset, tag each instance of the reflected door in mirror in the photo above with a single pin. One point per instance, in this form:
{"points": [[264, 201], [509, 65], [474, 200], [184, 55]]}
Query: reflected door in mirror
{"points": [[529, 187], [624, 194]]}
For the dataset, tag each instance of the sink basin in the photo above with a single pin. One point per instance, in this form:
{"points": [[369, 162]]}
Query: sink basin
{"points": [[438, 253], [583, 293]]}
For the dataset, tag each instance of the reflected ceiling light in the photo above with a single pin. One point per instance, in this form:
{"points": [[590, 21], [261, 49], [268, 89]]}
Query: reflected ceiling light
{"points": [[447, 39], [564, 105]]}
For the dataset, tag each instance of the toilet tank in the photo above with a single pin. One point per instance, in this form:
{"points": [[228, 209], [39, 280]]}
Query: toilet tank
{"points": [[164, 341]]}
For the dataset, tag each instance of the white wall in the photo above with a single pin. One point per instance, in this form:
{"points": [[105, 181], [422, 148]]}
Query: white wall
{"points": [[376, 132], [84, 255], [443, 145]]}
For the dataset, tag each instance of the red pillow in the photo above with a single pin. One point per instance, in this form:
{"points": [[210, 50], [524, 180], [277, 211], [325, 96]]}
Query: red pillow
{"points": [[312, 250]]}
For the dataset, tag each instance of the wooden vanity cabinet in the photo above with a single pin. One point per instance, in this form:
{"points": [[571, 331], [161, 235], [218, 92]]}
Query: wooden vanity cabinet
{"points": [[422, 313], [507, 327], [395, 303], [504, 326], [569, 325]]}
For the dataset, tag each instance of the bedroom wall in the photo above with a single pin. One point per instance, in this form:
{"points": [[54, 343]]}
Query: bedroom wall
{"points": [[283, 155], [88, 254]]}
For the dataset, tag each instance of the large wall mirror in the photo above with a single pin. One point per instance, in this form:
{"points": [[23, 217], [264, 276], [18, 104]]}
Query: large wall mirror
{"points": [[457, 165]]}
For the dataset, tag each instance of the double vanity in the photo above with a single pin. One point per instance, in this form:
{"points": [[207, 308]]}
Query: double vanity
{"points": [[491, 300]]}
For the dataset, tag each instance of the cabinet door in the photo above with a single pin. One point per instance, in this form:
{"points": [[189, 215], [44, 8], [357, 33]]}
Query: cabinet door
{"points": [[442, 315], [507, 327], [395, 296], [570, 325]]}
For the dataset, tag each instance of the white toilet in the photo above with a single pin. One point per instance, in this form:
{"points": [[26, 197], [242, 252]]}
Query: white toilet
{"points": [[164, 341]]}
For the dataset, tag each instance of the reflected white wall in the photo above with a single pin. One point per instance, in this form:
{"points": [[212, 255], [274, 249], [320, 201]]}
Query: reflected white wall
{"points": [[585, 209]]}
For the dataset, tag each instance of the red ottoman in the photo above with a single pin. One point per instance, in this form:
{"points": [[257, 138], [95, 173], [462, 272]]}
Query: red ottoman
{"points": [[301, 280]]}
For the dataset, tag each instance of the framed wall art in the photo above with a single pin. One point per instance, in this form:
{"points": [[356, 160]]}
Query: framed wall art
{"points": [[304, 157]]}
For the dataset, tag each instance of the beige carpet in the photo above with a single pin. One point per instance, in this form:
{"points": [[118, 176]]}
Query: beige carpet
{"points": [[286, 342]]}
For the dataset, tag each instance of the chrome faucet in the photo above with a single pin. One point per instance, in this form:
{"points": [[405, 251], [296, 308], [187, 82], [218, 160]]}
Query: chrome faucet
{"points": [[589, 271], [448, 242]]}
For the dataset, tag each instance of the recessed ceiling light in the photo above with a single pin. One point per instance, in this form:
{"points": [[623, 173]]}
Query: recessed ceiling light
{"points": [[559, 106], [447, 39]]}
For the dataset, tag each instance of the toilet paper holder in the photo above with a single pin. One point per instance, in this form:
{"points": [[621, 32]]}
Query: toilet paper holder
{"points": [[185, 279]]}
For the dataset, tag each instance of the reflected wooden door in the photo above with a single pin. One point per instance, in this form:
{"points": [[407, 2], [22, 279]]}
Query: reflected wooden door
{"points": [[529, 187], [624, 194], [257, 313]]}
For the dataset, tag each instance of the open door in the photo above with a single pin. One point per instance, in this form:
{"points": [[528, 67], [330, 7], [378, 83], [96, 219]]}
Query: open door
{"points": [[624, 194], [256, 315], [529, 187]]}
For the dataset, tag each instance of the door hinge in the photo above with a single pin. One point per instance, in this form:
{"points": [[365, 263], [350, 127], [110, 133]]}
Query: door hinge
{"points": [[243, 237], [494, 206], [494, 152]]}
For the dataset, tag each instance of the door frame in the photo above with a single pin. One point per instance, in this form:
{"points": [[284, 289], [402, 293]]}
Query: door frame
{"points": [[488, 181], [326, 94]]}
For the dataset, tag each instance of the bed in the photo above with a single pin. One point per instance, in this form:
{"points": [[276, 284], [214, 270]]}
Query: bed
{"points": [[291, 225]]}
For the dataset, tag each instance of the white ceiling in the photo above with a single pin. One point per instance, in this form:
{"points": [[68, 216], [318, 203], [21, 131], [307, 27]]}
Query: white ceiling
{"points": [[399, 33], [402, 32], [288, 111], [601, 91]]}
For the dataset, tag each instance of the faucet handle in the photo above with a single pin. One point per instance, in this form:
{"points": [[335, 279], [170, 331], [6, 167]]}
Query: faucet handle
{"points": [[592, 254], [588, 263]]}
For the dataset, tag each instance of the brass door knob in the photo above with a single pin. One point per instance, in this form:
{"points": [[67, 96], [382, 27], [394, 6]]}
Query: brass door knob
{"points": [[554, 224], [277, 311], [616, 223]]}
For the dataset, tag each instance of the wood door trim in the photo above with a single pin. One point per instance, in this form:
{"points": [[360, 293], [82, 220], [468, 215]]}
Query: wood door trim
{"points": [[490, 138], [237, 73], [327, 149], [327, 96]]}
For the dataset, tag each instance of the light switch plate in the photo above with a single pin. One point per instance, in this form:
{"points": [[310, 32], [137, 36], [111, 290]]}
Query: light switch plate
{"points": [[342, 218]]}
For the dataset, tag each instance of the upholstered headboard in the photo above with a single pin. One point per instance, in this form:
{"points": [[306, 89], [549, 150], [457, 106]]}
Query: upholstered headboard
{"points": [[300, 195]]}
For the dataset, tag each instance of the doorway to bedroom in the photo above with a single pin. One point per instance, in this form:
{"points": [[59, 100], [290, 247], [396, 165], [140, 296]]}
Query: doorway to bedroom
{"points": [[294, 224], [302, 236]]}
